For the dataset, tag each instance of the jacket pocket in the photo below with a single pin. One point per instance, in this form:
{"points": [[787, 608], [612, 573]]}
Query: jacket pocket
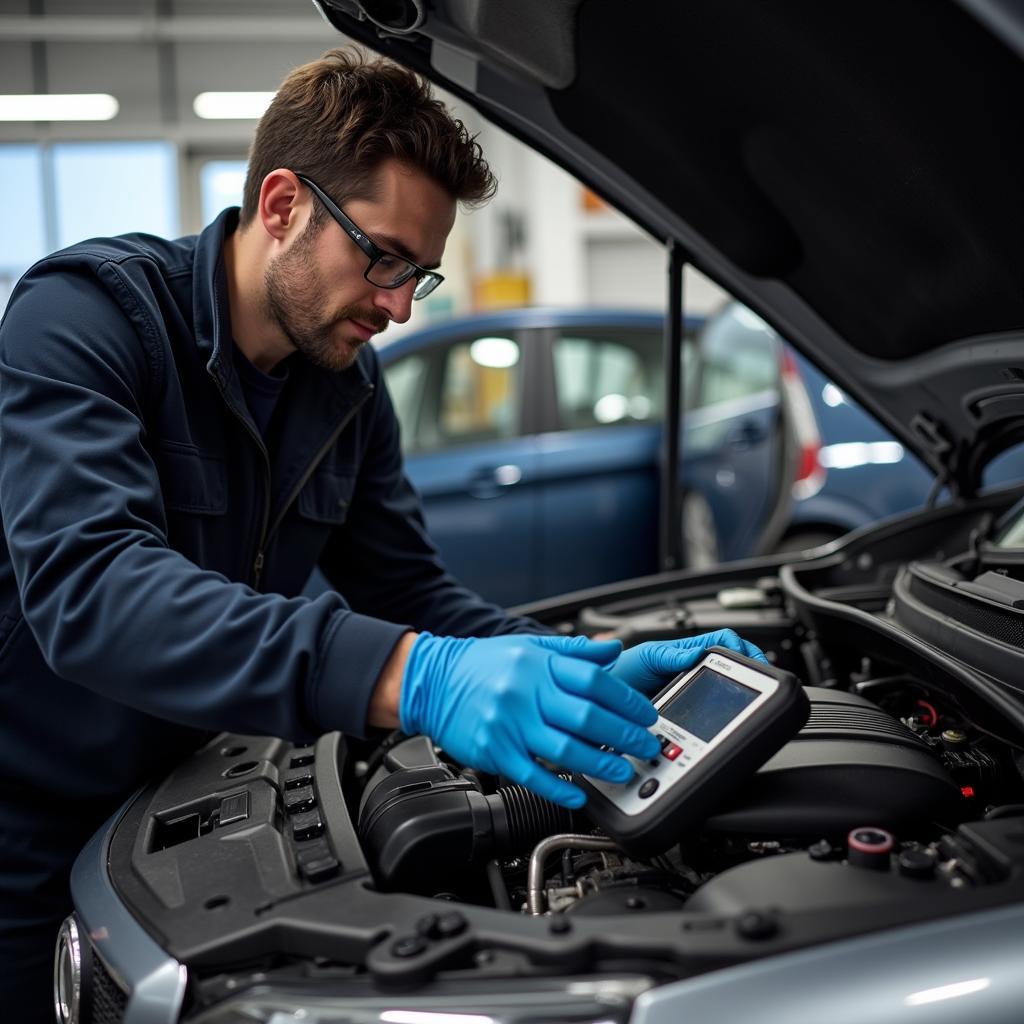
{"points": [[192, 480], [327, 496]]}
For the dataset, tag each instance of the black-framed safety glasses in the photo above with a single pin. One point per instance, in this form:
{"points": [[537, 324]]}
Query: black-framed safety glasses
{"points": [[385, 269]]}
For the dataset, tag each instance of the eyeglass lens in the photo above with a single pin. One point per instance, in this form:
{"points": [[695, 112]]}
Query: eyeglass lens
{"points": [[392, 272]]}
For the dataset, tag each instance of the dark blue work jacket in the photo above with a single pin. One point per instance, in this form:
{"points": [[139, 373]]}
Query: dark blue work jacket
{"points": [[154, 547]]}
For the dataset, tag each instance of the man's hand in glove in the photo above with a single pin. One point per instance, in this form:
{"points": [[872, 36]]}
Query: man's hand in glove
{"points": [[500, 703], [650, 666]]}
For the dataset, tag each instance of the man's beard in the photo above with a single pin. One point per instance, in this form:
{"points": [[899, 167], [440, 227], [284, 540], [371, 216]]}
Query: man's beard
{"points": [[293, 293]]}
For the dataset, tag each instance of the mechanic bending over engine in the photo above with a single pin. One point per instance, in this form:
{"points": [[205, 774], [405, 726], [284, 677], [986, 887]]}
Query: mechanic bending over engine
{"points": [[189, 428]]}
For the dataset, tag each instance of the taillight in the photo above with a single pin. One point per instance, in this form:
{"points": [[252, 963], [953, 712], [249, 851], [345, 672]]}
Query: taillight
{"points": [[810, 474]]}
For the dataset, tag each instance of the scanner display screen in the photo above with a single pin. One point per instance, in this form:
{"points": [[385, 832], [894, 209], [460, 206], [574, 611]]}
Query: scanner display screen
{"points": [[708, 703]]}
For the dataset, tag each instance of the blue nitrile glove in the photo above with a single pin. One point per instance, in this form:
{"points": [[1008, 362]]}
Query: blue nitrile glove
{"points": [[650, 666], [499, 703]]}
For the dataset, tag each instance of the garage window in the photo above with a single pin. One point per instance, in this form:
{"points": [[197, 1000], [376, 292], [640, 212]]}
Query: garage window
{"points": [[60, 193]]}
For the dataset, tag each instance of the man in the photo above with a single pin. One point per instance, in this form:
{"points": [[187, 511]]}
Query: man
{"points": [[188, 428]]}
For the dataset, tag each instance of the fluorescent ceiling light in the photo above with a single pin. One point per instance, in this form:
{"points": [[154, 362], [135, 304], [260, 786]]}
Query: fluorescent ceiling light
{"points": [[91, 106], [227, 105]]}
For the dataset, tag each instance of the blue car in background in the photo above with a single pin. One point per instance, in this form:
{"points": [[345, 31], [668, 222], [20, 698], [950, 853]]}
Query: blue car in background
{"points": [[533, 436], [852, 473], [849, 471]]}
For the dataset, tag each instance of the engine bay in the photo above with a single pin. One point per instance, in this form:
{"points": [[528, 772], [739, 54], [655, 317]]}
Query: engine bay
{"points": [[382, 866]]}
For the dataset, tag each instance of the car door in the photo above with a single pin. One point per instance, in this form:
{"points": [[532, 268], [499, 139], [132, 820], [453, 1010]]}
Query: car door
{"points": [[733, 466], [460, 405], [597, 461]]}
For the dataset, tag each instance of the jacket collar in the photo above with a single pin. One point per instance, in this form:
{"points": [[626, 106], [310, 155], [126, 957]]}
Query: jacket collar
{"points": [[211, 311], [212, 325]]}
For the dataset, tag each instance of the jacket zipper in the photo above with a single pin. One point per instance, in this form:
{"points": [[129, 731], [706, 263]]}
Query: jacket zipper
{"points": [[268, 534], [257, 565]]}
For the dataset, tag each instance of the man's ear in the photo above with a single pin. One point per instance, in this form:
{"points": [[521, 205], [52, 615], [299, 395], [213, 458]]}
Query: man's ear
{"points": [[283, 204]]}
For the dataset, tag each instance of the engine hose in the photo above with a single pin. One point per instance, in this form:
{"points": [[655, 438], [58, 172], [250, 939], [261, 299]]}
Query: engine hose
{"points": [[535, 876], [521, 819]]}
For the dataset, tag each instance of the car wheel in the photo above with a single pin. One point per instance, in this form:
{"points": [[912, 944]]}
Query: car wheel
{"points": [[806, 539], [700, 534]]}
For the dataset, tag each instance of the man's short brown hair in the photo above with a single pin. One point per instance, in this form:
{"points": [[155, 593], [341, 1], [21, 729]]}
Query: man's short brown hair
{"points": [[338, 118]]}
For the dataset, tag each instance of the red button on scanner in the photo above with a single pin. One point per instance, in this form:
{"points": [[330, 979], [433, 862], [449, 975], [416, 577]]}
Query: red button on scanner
{"points": [[672, 751]]}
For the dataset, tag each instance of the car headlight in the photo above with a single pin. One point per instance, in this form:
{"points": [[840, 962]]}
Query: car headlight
{"points": [[68, 974], [582, 1001]]}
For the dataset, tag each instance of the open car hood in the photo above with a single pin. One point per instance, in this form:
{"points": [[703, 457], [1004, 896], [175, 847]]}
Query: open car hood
{"points": [[851, 171]]}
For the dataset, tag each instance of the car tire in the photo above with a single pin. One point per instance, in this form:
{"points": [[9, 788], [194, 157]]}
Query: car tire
{"points": [[700, 544]]}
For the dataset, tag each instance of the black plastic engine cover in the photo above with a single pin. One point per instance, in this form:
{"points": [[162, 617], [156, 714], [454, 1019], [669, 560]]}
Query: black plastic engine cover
{"points": [[851, 763]]}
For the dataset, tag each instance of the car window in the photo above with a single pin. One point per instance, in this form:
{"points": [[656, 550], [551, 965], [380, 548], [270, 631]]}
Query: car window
{"points": [[607, 378], [406, 379], [739, 356], [457, 394], [477, 394]]}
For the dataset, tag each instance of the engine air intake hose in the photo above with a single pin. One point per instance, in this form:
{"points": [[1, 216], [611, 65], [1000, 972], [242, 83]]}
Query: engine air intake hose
{"points": [[522, 819], [427, 821]]}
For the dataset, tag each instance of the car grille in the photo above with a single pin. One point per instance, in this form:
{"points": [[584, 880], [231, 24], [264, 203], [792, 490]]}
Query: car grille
{"points": [[109, 1000]]}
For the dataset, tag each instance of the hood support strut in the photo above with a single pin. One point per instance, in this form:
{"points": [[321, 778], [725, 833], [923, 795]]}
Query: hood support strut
{"points": [[670, 549]]}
